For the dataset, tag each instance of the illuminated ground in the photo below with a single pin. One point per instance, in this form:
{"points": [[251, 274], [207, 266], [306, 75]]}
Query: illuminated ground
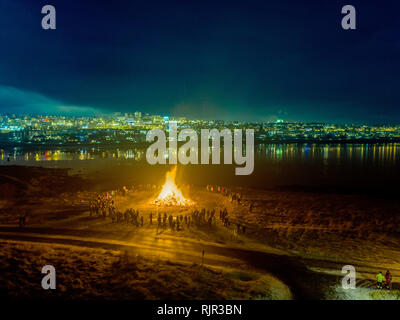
{"points": [[292, 255]]}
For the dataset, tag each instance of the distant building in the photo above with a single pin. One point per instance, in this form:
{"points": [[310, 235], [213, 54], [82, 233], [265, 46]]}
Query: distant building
{"points": [[166, 120]]}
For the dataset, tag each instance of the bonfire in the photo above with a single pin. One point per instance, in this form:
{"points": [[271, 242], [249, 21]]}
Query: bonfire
{"points": [[170, 195]]}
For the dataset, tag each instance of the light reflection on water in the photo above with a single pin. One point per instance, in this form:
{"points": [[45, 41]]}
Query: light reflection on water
{"points": [[359, 154], [377, 155], [275, 164], [19, 156]]}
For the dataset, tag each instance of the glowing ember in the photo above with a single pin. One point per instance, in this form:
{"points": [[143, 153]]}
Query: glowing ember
{"points": [[170, 195]]}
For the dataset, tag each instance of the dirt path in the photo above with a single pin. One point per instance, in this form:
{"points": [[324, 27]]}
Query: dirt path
{"points": [[304, 283]]}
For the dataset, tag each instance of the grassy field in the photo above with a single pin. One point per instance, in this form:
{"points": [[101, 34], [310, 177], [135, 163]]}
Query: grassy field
{"points": [[84, 273]]}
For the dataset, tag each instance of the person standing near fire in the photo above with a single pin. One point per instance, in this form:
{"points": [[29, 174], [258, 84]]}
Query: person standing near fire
{"points": [[379, 279], [170, 221], [165, 220], [159, 220], [388, 277]]}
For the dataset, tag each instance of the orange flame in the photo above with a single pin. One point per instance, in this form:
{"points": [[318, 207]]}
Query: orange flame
{"points": [[170, 194]]}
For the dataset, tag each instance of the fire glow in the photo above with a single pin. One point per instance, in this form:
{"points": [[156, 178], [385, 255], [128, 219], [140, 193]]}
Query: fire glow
{"points": [[170, 195]]}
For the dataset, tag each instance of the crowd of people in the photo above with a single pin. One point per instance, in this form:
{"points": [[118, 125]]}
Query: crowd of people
{"points": [[236, 227], [204, 217], [103, 205], [233, 196], [175, 223]]}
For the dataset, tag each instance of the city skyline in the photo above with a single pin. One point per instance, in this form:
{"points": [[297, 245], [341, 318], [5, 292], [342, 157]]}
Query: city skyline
{"points": [[132, 128], [166, 116]]}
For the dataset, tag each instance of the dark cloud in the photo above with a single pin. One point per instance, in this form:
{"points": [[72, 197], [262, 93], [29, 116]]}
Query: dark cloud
{"points": [[20, 101], [244, 60]]}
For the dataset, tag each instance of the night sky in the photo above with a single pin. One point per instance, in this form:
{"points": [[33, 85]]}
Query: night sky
{"points": [[242, 60]]}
